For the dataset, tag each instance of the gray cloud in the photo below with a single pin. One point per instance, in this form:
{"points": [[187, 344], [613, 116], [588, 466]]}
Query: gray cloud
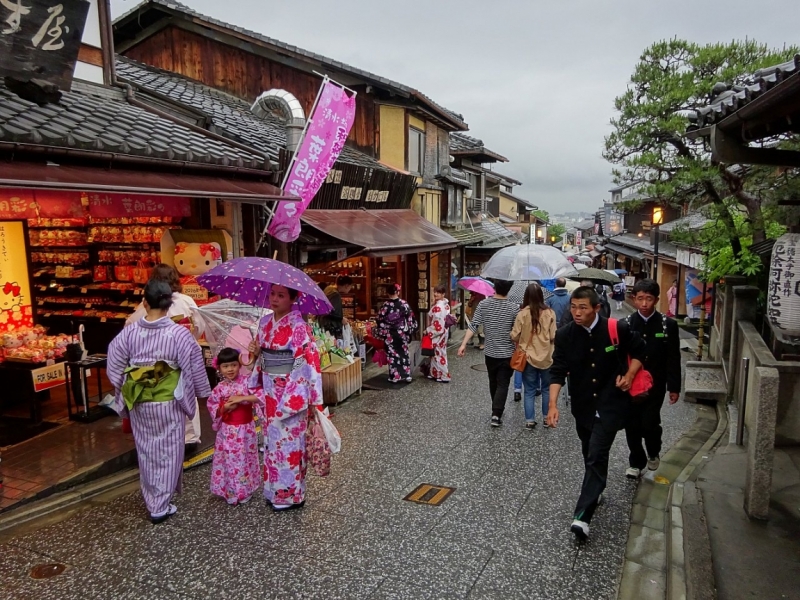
{"points": [[535, 80]]}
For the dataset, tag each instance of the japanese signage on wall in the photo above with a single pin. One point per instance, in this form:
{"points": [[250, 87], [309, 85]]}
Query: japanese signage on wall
{"points": [[16, 310], [16, 204], [327, 131], [783, 291], [105, 206], [40, 39]]}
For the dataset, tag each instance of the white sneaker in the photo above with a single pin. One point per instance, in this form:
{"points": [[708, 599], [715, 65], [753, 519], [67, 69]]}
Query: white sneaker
{"points": [[652, 463], [580, 529], [633, 473]]}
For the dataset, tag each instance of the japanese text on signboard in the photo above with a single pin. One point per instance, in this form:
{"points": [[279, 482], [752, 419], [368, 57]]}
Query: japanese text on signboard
{"points": [[783, 293], [41, 39], [325, 137]]}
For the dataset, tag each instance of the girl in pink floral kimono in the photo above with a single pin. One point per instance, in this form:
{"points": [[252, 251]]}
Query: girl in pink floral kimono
{"points": [[440, 335], [287, 377], [235, 473]]}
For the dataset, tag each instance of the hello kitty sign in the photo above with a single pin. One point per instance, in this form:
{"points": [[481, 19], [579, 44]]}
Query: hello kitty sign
{"points": [[192, 253], [16, 310]]}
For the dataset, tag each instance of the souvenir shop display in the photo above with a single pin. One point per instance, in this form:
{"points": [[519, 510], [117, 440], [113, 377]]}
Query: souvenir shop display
{"points": [[93, 267], [33, 345]]}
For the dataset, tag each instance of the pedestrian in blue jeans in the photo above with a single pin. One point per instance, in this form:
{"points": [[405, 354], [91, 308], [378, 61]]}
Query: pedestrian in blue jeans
{"points": [[535, 332]]}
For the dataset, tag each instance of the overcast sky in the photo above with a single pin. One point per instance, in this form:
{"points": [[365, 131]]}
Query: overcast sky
{"points": [[536, 81]]}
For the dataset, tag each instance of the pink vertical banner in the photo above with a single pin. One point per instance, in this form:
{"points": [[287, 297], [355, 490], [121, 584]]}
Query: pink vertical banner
{"points": [[327, 131]]}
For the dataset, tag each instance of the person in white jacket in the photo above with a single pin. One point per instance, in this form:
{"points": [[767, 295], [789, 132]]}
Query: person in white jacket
{"points": [[182, 305]]}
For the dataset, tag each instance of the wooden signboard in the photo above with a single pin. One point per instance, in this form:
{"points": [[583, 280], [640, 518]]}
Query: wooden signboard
{"points": [[40, 39]]}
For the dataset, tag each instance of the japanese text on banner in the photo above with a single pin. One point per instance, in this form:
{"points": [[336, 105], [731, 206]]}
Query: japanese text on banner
{"points": [[325, 137]]}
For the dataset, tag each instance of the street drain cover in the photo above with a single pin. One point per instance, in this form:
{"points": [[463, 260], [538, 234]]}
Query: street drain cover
{"points": [[47, 571], [432, 495], [479, 368]]}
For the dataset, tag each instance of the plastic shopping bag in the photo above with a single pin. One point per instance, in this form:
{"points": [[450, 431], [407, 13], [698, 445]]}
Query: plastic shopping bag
{"points": [[349, 340], [329, 429]]}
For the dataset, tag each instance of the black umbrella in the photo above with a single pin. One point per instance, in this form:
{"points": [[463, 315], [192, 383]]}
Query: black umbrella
{"points": [[596, 276]]}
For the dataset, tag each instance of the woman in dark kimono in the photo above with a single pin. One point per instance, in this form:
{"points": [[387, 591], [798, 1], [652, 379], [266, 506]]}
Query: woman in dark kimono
{"points": [[396, 325]]}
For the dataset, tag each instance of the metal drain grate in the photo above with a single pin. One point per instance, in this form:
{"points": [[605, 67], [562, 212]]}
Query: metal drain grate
{"points": [[433, 495], [47, 571]]}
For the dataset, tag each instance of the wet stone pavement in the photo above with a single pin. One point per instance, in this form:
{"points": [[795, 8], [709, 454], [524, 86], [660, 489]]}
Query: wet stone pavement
{"points": [[502, 534]]}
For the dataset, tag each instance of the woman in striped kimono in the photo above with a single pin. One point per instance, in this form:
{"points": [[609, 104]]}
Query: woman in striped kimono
{"points": [[157, 370]]}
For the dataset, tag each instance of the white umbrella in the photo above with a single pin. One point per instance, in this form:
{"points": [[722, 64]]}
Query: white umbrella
{"points": [[528, 262]]}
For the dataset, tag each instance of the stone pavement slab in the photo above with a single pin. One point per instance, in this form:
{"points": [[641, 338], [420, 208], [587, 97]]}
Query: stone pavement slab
{"points": [[503, 533]]}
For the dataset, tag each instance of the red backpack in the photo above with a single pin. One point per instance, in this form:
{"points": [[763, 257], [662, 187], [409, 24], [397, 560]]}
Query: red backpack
{"points": [[643, 380]]}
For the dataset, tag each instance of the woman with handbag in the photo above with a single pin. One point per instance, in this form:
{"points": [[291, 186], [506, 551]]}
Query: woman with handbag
{"points": [[534, 332], [439, 333], [396, 325]]}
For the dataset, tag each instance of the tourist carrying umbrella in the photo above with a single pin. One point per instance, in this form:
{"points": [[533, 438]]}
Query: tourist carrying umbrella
{"points": [[287, 372], [479, 289]]}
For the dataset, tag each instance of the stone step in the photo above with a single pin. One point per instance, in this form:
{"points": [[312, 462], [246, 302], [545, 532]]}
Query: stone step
{"points": [[705, 381]]}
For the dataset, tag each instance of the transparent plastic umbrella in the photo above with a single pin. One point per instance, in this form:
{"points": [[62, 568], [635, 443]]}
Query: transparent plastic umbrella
{"points": [[228, 323], [528, 262]]}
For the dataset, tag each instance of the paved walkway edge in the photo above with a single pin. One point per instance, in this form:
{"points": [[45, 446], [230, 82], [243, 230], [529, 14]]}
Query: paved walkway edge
{"points": [[655, 567], [63, 500]]}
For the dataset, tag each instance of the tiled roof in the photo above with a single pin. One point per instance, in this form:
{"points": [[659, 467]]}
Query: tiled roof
{"points": [[335, 65], [230, 116], [584, 225], [642, 244], [527, 203], [502, 178], [689, 222], [99, 119], [729, 99], [461, 143]]}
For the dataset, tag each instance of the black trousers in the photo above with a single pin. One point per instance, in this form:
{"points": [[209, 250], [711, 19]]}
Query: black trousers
{"points": [[500, 374], [645, 422], [596, 441]]}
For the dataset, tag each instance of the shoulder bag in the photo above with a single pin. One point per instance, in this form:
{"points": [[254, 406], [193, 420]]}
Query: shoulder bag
{"points": [[520, 358], [643, 380]]}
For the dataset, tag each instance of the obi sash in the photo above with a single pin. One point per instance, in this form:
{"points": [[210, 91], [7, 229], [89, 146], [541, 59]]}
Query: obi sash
{"points": [[156, 383], [277, 362], [242, 414]]}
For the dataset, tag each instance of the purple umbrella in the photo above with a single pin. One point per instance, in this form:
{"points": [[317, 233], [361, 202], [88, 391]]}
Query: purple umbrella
{"points": [[477, 285], [249, 279]]}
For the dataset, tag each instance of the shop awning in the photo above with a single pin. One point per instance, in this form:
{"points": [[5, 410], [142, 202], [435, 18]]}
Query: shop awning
{"points": [[381, 232], [128, 181], [625, 251]]}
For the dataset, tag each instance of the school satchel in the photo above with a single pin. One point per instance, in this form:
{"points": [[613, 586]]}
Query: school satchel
{"points": [[643, 380]]}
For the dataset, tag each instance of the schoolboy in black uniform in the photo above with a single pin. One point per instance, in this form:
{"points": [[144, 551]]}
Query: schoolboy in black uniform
{"points": [[663, 360], [599, 380]]}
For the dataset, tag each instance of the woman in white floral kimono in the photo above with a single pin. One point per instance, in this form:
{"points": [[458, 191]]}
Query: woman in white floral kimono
{"points": [[440, 335]]}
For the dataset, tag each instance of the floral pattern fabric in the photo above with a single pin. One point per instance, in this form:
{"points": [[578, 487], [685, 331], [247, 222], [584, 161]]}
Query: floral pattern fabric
{"points": [[397, 338], [287, 400], [440, 335], [235, 472]]}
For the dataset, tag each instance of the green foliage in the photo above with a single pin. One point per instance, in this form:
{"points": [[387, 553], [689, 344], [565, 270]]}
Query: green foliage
{"points": [[713, 241], [648, 146], [556, 229], [542, 214]]}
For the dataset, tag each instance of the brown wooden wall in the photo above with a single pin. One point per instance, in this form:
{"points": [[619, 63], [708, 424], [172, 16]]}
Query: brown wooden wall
{"points": [[244, 75]]}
